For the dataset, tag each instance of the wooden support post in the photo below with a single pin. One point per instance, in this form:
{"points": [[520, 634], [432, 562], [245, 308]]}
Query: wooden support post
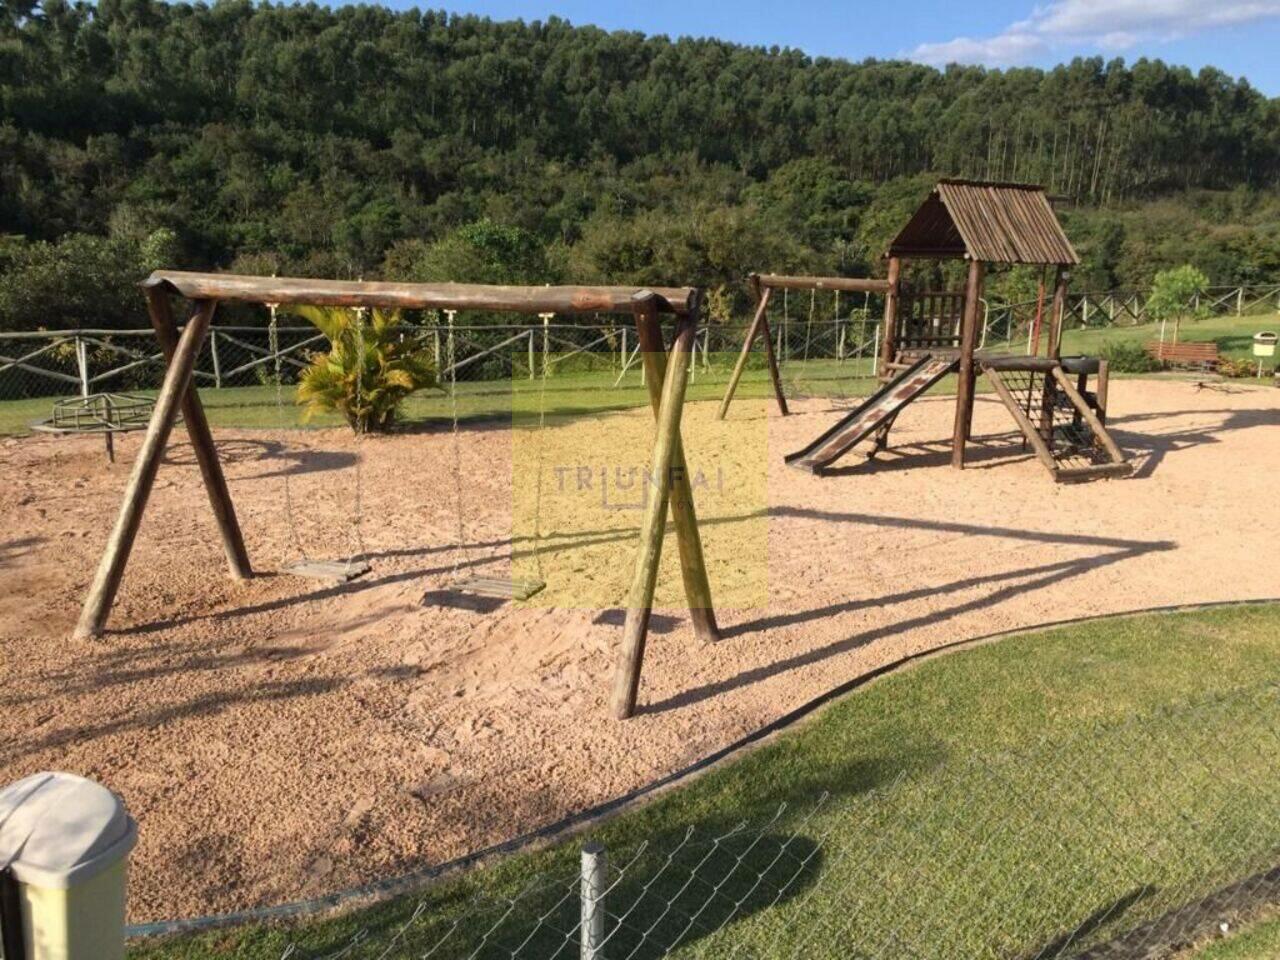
{"points": [[758, 322], [890, 317], [1034, 348], [770, 357], [1082, 384], [160, 310], [697, 587], [967, 385], [1100, 390], [177, 379], [1060, 283], [626, 683]]}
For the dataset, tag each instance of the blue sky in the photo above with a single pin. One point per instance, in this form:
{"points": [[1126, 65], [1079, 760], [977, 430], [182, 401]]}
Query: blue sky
{"points": [[1241, 37]]}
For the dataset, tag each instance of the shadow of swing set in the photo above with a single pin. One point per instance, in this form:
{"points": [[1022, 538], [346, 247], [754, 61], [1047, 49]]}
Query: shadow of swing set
{"points": [[926, 336]]}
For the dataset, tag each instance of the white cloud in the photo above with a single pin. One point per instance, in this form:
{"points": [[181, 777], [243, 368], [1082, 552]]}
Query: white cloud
{"points": [[1005, 50], [1102, 24]]}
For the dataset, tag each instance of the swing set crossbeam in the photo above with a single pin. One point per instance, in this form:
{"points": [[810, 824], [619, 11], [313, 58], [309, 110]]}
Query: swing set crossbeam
{"points": [[762, 286], [666, 370], [415, 296]]}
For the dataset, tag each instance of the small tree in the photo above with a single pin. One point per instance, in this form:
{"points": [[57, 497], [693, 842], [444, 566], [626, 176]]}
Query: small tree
{"points": [[368, 370], [1175, 294]]}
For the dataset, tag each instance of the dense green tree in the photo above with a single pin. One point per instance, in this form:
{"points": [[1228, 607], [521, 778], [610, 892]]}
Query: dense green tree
{"points": [[79, 281], [480, 252], [351, 140]]}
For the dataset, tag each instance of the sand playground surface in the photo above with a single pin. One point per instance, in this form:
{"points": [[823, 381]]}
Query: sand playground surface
{"points": [[283, 738]]}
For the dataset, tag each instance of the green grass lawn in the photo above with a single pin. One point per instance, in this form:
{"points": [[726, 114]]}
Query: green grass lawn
{"points": [[1233, 335], [1008, 800], [566, 394]]}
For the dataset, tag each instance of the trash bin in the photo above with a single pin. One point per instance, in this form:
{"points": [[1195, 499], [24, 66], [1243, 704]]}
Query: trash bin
{"points": [[1264, 344], [65, 842]]}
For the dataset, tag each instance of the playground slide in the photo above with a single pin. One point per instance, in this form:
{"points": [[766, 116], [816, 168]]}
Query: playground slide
{"points": [[877, 410]]}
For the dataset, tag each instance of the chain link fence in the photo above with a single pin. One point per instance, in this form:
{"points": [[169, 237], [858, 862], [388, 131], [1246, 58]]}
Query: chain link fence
{"points": [[1128, 839], [240, 365]]}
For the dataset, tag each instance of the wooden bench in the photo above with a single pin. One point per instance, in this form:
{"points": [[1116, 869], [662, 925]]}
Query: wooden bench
{"points": [[1195, 354]]}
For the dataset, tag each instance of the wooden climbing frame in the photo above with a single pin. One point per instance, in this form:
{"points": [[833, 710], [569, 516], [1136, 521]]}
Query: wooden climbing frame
{"points": [[979, 223], [928, 334], [665, 366]]}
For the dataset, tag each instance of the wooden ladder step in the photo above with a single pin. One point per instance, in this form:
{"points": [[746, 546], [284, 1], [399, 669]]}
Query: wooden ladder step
{"points": [[1095, 471]]}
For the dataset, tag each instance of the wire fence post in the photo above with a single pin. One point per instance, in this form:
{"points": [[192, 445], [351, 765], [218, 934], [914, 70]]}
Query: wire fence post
{"points": [[595, 877], [82, 366], [546, 342], [700, 342], [532, 370], [217, 364]]}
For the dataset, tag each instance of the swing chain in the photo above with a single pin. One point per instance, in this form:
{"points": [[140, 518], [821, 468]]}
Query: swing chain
{"points": [[539, 442], [808, 329], [450, 356], [361, 423], [273, 344]]}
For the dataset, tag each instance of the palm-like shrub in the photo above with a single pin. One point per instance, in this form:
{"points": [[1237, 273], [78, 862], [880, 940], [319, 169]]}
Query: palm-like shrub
{"points": [[368, 371]]}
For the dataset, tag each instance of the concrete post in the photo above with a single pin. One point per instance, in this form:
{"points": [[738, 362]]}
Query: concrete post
{"points": [[595, 879]]}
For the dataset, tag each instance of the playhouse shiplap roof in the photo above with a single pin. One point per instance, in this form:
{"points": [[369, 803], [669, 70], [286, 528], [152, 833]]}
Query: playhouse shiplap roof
{"points": [[992, 222]]}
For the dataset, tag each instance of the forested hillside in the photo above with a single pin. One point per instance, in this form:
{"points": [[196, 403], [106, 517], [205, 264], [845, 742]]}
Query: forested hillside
{"points": [[362, 141]]}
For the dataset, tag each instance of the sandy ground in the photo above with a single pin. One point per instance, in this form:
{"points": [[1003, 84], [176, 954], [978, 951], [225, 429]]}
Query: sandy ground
{"points": [[282, 738]]}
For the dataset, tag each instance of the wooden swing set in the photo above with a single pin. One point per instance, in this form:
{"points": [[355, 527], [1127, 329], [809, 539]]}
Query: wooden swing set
{"points": [[665, 367], [761, 286]]}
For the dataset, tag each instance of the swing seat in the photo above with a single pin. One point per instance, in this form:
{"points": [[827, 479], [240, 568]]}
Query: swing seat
{"points": [[333, 571], [504, 588]]}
